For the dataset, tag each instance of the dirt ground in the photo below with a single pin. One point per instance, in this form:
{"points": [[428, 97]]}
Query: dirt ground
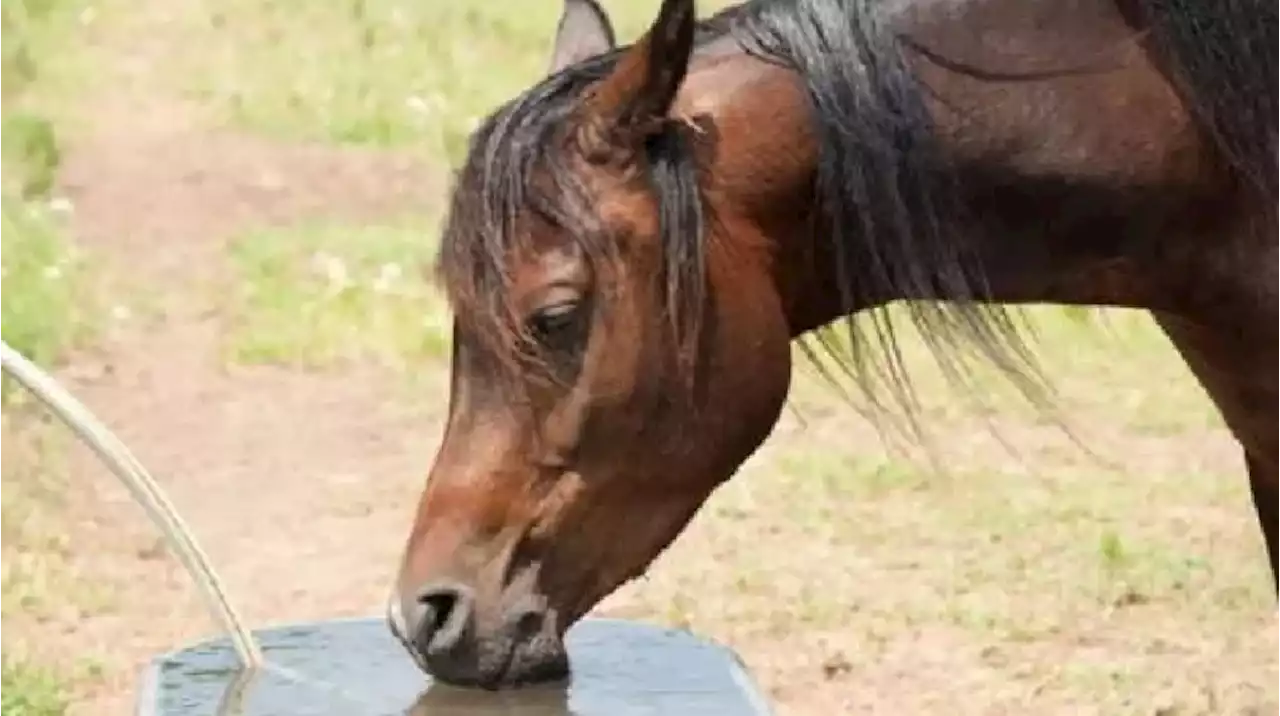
{"points": [[301, 484], [295, 483]]}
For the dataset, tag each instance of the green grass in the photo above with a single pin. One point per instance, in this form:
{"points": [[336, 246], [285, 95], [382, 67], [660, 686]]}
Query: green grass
{"points": [[34, 580], [377, 72], [45, 311], [36, 54], [33, 476], [1080, 353], [30, 691], [320, 294], [38, 60], [31, 154], [45, 308]]}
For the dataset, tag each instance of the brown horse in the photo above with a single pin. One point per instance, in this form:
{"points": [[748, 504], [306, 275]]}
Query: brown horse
{"points": [[635, 241]]}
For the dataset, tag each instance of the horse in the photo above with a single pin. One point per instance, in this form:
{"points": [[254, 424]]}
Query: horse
{"points": [[634, 244]]}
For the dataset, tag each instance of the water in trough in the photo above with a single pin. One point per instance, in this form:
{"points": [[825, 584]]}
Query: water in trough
{"points": [[355, 668]]}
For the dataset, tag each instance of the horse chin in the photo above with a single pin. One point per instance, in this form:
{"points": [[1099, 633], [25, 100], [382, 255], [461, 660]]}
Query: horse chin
{"points": [[503, 664], [536, 664]]}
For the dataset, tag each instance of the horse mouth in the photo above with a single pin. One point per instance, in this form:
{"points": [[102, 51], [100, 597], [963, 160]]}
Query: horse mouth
{"points": [[521, 665]]}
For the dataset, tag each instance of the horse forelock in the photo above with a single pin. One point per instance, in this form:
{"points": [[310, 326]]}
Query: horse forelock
{"points": [[518, 165]]}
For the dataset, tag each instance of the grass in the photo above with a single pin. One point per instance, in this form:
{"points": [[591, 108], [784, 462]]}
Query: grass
{"points": [[1074, 350], [377, 72], [45, 308], [316, 295], [32, 552], [31, 149], [45, 311], [33, 476], [30, 691], [40, 68], [35, 54]]}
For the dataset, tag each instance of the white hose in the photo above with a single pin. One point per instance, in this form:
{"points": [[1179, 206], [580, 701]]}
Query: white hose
{"points": [[143, 488]]}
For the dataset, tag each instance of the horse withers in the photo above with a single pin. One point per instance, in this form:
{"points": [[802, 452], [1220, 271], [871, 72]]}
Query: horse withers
{"points": [[635, 241]]}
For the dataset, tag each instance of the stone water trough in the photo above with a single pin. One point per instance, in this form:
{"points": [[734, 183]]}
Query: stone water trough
{"points": [[355, 668]]}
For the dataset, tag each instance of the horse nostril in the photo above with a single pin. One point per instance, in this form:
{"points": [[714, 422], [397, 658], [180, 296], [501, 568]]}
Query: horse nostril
{"points": [[439, 605], [445, 617]]}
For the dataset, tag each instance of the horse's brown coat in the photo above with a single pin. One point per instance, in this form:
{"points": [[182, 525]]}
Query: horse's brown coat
{"points": [[622, 337]]}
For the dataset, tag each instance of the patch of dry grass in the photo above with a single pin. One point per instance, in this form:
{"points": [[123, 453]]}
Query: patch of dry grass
{"points": [[37, 580], [380, 72], [319, 295]]}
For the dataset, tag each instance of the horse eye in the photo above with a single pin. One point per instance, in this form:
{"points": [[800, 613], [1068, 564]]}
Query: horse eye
{"points": [[556, 324]]}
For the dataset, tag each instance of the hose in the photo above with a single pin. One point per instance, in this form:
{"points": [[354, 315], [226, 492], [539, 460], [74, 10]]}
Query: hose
{"points": [[143, 488]]}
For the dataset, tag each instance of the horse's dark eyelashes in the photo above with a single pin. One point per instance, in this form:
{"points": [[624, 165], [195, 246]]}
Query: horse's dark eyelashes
{"points": [[557, 325], [555, 316]]}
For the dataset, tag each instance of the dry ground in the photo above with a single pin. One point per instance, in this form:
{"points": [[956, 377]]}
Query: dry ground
{"points": [[850, 578]]}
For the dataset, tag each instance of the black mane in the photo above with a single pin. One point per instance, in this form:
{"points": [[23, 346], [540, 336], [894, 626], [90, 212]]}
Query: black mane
{"points": [[885, 197]]}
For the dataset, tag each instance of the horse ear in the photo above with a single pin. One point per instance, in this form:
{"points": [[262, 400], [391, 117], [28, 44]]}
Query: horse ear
{"points": [[634, 98], [584, 31]]}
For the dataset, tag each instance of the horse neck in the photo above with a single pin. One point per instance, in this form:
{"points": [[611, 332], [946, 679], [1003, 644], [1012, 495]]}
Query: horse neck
{"points": [[762, 169], [1066, 186]]}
